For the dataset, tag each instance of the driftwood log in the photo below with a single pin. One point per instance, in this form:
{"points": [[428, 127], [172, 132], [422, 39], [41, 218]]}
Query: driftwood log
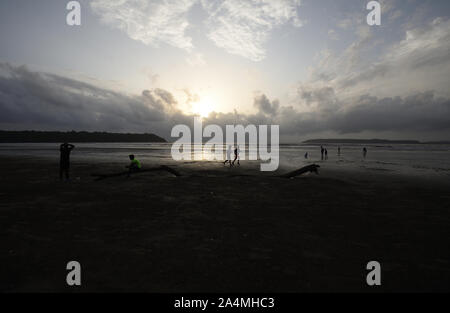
{"points": [[146, 170], [313, 168]]}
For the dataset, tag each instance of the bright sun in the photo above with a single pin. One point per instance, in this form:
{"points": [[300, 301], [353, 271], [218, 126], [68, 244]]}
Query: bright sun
{"points": [[203, 107]]}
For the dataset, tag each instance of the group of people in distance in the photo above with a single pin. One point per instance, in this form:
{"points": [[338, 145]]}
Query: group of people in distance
{"points": [[324, 153], [236, 156]]}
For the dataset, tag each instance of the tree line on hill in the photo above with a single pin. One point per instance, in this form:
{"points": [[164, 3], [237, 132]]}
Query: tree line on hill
{"points": [[73, 136]]}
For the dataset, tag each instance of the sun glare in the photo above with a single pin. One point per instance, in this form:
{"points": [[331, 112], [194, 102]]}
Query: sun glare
{"points": [[203, 107]]}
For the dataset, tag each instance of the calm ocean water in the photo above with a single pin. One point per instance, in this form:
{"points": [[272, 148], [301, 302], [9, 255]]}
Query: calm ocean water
{"points": [[420, 159]]}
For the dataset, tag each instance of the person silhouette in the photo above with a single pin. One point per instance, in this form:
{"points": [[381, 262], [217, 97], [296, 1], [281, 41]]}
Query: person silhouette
{"points": [[64, 160], [322, 151], [228, 159], [339, 150], [239, 154], [326, 154], [364, 152], [306, 155], [134, 166], [236, 155]]}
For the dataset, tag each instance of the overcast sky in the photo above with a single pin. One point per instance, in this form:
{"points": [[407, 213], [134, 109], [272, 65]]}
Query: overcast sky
{"points": [[312, 66]]}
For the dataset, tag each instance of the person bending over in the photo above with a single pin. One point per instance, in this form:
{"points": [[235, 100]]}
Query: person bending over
{"points": [[134, 166]]}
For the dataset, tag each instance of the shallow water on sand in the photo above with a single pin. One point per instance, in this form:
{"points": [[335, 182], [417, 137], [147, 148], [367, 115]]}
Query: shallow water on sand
{"points": [[413, 159]]}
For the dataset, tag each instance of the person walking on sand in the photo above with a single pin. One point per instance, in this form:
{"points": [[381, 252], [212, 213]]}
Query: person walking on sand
{"points": [[239, 154], [364, 152], [236, 155], [322, 150], [64, 160], [134, 166], [228, 159]]}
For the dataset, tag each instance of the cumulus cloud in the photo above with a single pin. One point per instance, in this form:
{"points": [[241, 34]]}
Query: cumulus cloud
{"points": [[422, 52], [415, 64], [243, 27], [151, 22], [239, 27], [265, 106]]}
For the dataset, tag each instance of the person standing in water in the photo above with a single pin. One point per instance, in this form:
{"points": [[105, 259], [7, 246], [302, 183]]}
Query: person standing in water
{"points": [[228, 159], [236, 155], [364, 152], [64, 160]]}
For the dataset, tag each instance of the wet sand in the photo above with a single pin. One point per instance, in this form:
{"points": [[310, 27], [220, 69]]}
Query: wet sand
{"points": [[220, 230]]}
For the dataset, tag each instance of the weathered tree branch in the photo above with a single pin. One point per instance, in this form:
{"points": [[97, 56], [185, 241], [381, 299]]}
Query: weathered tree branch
{"points": [[147, 170]]}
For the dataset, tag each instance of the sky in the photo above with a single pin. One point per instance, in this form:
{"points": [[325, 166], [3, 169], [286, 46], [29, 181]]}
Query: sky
{"points": [[314, 67]]}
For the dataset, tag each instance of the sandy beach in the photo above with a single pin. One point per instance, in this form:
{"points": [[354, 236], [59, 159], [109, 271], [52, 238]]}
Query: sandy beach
{"points": [[216, 229]]}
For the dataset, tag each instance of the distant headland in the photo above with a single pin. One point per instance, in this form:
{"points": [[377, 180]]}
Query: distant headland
{"points": [[73, 136], [369, 141]]}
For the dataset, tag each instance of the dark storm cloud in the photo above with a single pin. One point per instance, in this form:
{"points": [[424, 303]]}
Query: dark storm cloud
{"points": [[264, 105], [423, 112], [55, 102], [46, 101], [420, 112]]}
